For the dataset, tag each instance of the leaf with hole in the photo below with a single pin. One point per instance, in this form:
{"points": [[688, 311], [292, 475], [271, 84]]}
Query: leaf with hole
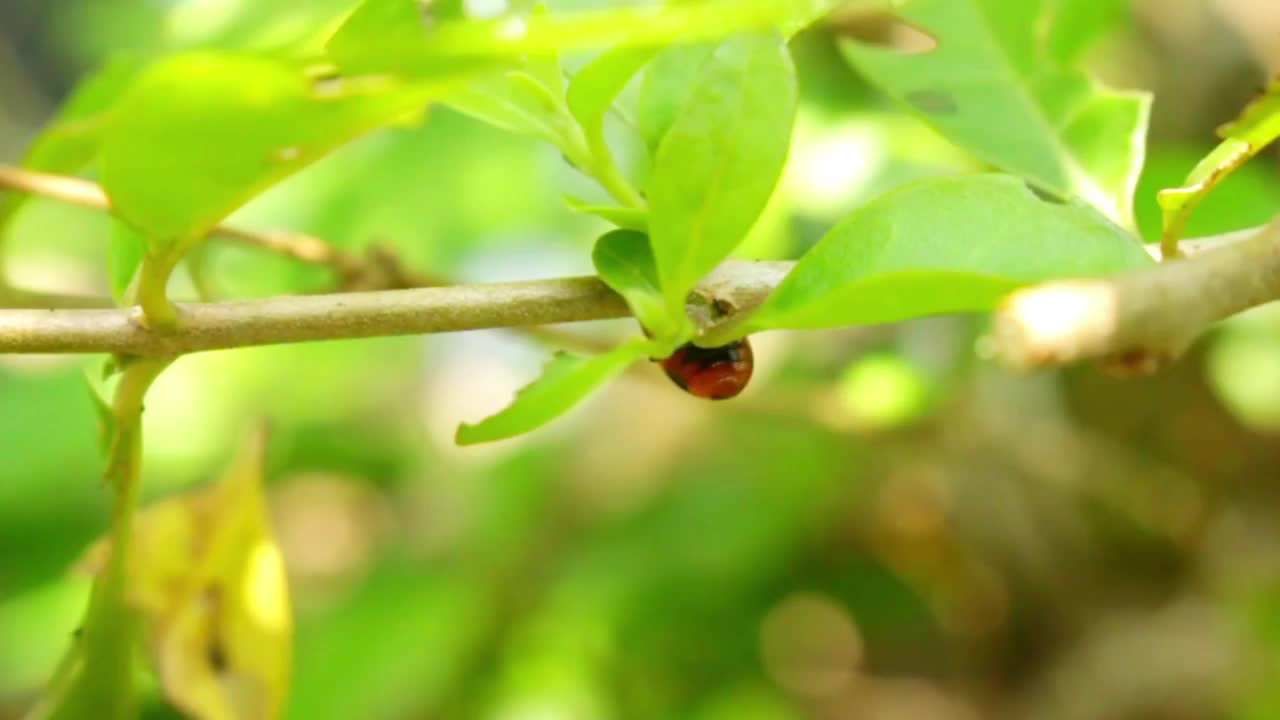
{"points": [[993, 86], [943, 245], [719, 163], [564, 382]]}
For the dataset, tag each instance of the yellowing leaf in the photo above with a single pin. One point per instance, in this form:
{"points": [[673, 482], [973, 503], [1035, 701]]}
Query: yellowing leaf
{"points": [[208, 580]]}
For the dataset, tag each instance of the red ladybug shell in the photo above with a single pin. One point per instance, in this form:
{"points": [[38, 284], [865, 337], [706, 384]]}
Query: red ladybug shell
{"points": [[715, 373]]}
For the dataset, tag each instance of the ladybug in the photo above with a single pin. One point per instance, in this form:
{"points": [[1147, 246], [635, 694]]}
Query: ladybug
{"points": [[715, 373]]}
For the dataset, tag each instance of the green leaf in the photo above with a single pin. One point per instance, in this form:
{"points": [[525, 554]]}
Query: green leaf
{"points": [[384, 35], [1257, 127], [599, 82], [200, 134], [297, 28], [943, 245], [1077, 24], [806, 12], [624, 260], [624, 217], [527, 100], [126, 251], [70, 141], [993, 87], [565, 381], [721, 160], [511, 100], [669, 78], [390, 35], [667, 83]]}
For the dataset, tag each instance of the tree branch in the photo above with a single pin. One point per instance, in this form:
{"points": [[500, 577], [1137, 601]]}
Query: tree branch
{"points": [[211, 326], [1136, 322], [1139, 321], [214, 326]]}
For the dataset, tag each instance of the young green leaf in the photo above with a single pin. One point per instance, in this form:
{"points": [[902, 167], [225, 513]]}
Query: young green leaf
{"points": [[719, 163], [1257, 127], [599, 82], [993, 87], [624, 260], [547, 68], [199, 134], [511, 100], [565, 381], [624, 217], [953, 244], [667, 83]]}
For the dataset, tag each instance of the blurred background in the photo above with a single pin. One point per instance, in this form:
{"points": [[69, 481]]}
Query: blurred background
{"points": [[881, 527]]}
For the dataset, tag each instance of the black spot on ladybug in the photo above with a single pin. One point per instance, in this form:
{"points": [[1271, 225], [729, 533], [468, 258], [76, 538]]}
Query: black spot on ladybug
{"points": [[715, 373]]}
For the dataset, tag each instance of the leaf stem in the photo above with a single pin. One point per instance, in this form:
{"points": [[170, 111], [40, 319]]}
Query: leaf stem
{"points": [[158, 311], [589, 151], [606, 171]]}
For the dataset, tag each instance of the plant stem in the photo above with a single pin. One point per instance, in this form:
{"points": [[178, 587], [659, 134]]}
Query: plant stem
{"points": [[609, 175], [97, 680], [591, 154]]}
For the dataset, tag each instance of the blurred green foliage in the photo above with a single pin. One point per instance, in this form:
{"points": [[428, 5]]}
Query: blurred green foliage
{"points": [[976, 545]]}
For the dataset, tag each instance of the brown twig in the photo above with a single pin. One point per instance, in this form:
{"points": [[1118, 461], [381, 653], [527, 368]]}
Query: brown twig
{"points": [[211, 326], [1139, 321]]}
